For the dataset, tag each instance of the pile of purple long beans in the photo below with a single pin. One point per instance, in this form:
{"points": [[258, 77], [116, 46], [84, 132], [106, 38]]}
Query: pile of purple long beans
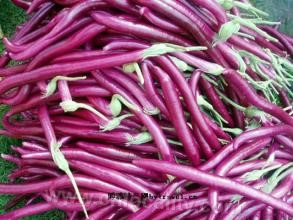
{"points": [[148, 109]]}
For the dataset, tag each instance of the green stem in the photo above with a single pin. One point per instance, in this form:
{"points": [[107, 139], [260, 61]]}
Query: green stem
{"points": [[206, 77], [141, 138], [168, 128], [63, 165], [251, 25], [52, 85], [125, 102], [229, 101], [72, 106], [241, 34], [164, 48], [183, 66], [264, 22], [254, 157], [242, 64], [265, 76], [289, 75], [235, 131], [202, 102], [250, 8], [134, 67], [115, 122], [174, 142], [252, 57]]}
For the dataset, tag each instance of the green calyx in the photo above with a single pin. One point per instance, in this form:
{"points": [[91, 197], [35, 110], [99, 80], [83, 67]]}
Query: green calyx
{"points": [[235, 131], [181, 64], [226, 31], [115, 122], [216, 70], [52, 85], [211, 68], [153, 111], [164, 48], [63, 165], [141, 138], [116, 104], [134, 67], [226, 4], [72, 106]]}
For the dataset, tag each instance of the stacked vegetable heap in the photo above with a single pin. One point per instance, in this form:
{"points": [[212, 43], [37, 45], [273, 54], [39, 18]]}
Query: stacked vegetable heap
{"points": [[117, 101]]}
